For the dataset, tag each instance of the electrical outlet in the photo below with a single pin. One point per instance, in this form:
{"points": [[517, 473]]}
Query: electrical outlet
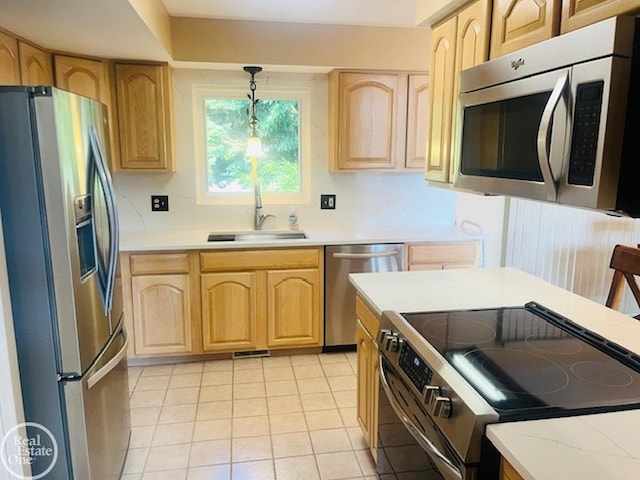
{"points": [[327, 202], [159, 203]]}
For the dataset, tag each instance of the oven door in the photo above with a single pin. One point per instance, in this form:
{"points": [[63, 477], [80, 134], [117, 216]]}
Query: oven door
{"points": [[409, 445], [513, 135]]}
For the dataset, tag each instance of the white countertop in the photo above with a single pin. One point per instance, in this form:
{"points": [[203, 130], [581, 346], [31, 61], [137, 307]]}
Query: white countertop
{"points": [[591, 447], [197, 239]]}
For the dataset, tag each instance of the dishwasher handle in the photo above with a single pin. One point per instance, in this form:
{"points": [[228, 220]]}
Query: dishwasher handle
{"points": [[359, 256]]}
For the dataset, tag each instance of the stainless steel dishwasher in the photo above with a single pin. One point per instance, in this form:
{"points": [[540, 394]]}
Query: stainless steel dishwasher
{"points": [[340, 295]]}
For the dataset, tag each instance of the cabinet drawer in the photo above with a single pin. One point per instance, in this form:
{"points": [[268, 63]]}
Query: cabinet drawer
{"points": [[443, 253], [144, 264], [367, 317], [236, 260]]}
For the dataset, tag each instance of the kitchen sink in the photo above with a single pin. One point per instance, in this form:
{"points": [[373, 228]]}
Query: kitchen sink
{"points": [[257, 236]]}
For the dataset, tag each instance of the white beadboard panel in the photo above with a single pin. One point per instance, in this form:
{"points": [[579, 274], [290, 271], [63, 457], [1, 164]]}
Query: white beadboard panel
{"points": [[568, 247]]}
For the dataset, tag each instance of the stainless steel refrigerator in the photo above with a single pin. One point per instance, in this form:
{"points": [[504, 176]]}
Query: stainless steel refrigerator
{"points": [[60, 228]]}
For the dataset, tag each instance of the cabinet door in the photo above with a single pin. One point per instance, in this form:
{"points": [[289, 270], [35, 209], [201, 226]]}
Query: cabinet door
{"points": [[580, 13], [9, 60], [35, 65], [83, 76], [443, 49], [144, 117], [230, 312], [162, 314], [371, 121], [519, 23], [293, 308], [364, 345], [374, 383], [417, 121]]}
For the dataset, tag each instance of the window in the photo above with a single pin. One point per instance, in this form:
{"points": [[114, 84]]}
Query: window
{"points": [[224, 173]]}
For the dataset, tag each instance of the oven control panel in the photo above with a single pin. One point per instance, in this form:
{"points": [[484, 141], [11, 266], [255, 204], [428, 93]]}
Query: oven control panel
{"points": [[416, 370], [415, 367]]}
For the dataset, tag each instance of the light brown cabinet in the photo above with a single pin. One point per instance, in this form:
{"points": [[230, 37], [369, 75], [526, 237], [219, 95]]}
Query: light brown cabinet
{"points": [[368, 369], [293, 308], [9, 60], [439, 256], [83, 76], [376, 120], [230, 311], [519, 23], [161, 303], [579, 13], [417, 121], [261, 299], [35, 65], [460, 42], [507, 472], [143, 100], [90, 78]]}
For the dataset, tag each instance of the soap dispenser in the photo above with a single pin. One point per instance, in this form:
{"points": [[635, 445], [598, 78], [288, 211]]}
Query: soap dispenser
{"points": [[293, 219]]}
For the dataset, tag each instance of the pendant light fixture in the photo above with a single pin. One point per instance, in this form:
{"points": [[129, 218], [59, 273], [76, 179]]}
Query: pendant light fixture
{"points": [[254, 144]]}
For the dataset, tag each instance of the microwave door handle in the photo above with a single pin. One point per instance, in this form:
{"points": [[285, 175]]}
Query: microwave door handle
{"points": [[543, 134]]}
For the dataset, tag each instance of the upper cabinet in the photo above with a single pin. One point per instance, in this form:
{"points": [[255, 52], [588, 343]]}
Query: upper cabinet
{"points": [[9, 60], [35, 65], [143, 98], [377, 120], [460, 42], [520, 23], [91, 78], [417, 121], [579, 13], [83, 76]]}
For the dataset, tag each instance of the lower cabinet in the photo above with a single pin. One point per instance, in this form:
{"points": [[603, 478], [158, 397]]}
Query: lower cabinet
{"points": [[161, 303], [222, 301], [293, 308], [261, 299], [368, 372], [162, 307], [507, 472], [439, 256], [230, 313]]}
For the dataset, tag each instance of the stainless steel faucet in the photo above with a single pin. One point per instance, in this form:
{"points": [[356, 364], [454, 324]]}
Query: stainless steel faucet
{"points": [[259, 218]]}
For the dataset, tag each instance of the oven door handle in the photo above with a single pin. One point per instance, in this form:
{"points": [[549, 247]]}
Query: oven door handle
{"points": [[544, 131], [437, 456]]}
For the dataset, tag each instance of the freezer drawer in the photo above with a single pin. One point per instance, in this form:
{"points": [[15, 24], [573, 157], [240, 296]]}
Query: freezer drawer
{"points": [[340, 295]]}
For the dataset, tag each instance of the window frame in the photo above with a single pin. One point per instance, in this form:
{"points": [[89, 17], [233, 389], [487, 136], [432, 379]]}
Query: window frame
{"points": [[301, 94]]}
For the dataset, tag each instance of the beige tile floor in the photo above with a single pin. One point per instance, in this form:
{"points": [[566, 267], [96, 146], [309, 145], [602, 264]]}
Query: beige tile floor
{"points": [[281, 417]]}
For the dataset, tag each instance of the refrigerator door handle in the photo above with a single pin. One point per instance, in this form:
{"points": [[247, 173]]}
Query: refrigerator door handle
{"points": [[112, 217], [94, 379]]}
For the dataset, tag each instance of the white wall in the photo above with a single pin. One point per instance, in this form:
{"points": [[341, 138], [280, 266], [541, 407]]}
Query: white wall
{"points": [[363, 199], [569, 247], [489, 214], [11, 413]]}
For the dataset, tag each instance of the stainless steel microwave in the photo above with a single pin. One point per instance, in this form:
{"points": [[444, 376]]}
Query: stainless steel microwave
{"points": [[548, 121]]}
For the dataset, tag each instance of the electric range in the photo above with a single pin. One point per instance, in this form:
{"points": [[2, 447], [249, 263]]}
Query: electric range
{"points": [[446, 375]]}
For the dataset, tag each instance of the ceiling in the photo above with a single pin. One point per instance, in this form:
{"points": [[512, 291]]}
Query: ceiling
{"points": [[117, 29], [387, 13]]}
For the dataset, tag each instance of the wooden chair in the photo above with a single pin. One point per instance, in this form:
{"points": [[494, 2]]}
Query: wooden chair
{"points": [[626, 263]]}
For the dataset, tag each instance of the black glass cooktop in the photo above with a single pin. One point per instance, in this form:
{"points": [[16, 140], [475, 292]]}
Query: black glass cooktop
{"points": [[531, 362]]}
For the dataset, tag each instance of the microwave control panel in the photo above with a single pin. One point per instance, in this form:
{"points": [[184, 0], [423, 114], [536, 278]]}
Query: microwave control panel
{"points": [[586, 125]]}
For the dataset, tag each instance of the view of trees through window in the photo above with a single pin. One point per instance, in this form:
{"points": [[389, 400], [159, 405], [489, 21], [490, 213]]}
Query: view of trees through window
{"points": [[227, 131]]}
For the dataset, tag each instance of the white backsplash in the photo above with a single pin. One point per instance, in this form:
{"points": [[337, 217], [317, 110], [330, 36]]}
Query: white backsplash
{"points": [[363, 199]]}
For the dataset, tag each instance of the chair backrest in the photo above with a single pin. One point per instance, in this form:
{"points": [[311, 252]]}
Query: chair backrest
{"points": [[626, 263]]}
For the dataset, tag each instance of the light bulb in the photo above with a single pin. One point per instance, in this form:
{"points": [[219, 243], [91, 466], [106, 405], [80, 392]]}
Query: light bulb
{"points": [[254, 147]]}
